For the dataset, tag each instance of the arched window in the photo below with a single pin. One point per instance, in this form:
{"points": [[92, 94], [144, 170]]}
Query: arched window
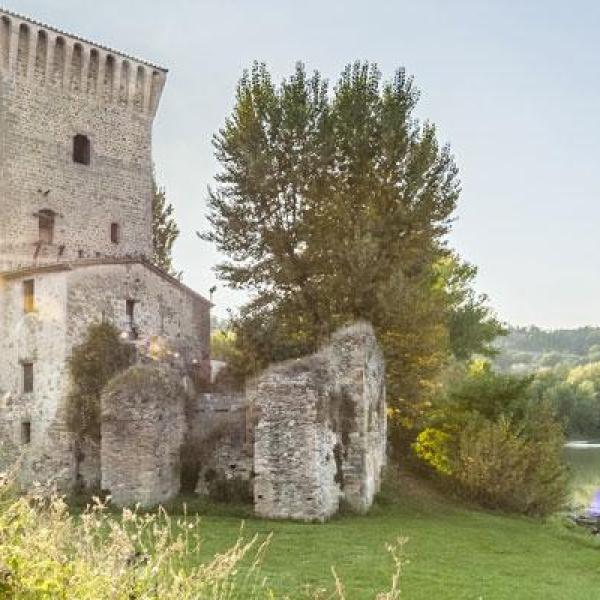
{"points": [[81, 149], [46, 226], [114, 233]]}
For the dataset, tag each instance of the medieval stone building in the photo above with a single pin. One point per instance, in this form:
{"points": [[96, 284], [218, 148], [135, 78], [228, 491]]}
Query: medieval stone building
{"points": [[76, 229], [75, 241]]}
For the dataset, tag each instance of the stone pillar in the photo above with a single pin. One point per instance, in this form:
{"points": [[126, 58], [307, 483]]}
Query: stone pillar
{"points": [[143, 428], [321, 429]]}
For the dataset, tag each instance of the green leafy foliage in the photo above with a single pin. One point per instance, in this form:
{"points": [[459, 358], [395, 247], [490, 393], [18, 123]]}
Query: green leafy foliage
{"points": [[490, 442], [93, 363], [513, 466], [164, 230], [472, 327], [574, 394], [333, 207]]}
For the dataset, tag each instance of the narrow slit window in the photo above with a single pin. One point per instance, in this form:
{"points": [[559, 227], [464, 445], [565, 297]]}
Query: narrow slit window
{"points": [[115, 236], [28, 296], [27, 378], [46, 226], [26, 432], [130, 311], [81, 149]]}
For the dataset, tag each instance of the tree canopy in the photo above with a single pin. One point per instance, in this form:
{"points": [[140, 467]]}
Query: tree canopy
{"points": [[333, 205]]}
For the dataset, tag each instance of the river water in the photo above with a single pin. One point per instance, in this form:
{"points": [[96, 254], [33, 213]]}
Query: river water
{"points": [[584, 459]]}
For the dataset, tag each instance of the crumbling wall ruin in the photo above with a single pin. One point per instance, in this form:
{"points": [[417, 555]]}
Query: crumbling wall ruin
{"points": [[219, 441], [321, 429], [143, 428]]}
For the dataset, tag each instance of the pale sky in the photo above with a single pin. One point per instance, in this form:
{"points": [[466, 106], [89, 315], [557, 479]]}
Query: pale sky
{"points": [[513, 85]]}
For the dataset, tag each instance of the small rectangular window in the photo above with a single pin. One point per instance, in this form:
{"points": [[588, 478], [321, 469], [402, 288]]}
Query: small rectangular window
{"points": [[26, 432], [130, 310], [28, 296], [46, 226], [81, 149], [114, 233], [27, 378]]}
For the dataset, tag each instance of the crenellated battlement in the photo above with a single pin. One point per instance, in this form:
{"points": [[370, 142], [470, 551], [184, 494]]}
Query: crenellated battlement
{"points": [[34, 53]]}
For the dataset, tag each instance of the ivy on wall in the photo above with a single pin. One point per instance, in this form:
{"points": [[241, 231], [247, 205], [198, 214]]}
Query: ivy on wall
{"points": [[93, 363]]}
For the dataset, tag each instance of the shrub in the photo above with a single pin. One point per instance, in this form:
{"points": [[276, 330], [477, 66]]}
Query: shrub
{"points": [[517, 468], [93, 363], [489, 442]]}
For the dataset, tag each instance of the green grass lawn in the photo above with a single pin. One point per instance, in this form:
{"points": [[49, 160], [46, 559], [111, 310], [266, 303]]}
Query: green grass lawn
{"points": [[453, 552]]}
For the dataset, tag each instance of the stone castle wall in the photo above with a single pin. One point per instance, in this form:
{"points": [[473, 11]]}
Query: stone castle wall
{"points": [[52, 88], [219, 441], [143, 428], [169, 320], [321, 429], [37, 338]]}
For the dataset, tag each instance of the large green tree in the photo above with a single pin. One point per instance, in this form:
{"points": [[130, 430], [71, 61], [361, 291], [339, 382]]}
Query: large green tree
{"points": [[164, 230], [333, 206]]}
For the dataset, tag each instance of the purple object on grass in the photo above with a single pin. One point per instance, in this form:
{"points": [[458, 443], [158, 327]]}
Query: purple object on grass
{"points": [[594, 509]]}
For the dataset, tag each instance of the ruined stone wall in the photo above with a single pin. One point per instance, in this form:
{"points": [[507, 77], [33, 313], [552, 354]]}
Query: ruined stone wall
{"points": [[166, 315], [358, 371], [53, 87], [219, 441], [321, 429], [143, 428], [172, 324], [294, 458]]}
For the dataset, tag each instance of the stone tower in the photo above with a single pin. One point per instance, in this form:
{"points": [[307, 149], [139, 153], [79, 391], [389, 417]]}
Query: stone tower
{"points": [[76, 237], [75, 147]]}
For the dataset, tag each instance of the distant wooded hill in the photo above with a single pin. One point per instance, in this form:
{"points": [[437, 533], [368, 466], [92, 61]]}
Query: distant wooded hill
{"points": [[527, 349]]}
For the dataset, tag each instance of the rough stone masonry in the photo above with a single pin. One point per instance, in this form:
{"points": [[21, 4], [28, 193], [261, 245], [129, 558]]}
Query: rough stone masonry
{"points": [[75, 245], [76, 234], [143, 428], [320, 437]]}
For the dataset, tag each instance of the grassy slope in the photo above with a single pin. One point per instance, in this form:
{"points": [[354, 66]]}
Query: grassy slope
{"points": [[454, 552]]}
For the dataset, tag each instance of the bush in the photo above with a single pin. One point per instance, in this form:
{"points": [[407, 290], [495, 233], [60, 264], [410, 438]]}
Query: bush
{"points": [[93, 363], [492, 445], [517, 468]]}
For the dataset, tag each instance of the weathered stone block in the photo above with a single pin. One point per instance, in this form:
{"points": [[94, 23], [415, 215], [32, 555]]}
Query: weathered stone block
{"points": [[321, 429], [143, 428]]}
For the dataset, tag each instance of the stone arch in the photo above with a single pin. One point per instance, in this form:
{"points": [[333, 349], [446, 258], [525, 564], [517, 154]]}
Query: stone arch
{"points": [[58, 63], [124, 83], [109, 77], [5, 29], [140, 85], [23, 49], [76, 67], [93, 71], [41, 54]]}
